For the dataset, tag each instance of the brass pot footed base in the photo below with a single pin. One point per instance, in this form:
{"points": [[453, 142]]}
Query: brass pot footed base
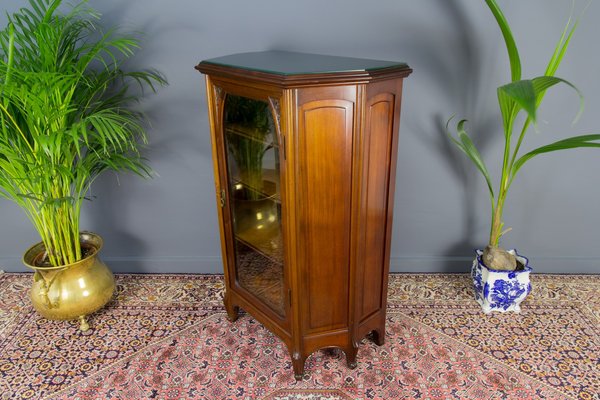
{"points": [[83, 324], [71, 291]]}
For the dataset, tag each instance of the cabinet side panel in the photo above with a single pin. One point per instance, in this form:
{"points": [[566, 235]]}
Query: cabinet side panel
{"points": [[325, 130], [379, 130]]}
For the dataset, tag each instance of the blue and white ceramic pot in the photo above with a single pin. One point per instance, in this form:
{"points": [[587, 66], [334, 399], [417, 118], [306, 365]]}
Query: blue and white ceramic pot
{"points": [[500, 290]]}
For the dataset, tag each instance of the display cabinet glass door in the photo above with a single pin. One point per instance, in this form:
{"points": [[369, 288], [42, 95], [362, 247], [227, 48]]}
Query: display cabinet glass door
{"points": [[255, 201]]}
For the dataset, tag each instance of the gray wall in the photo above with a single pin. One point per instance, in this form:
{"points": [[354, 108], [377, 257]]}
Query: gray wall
{"points": [[169, 224]]}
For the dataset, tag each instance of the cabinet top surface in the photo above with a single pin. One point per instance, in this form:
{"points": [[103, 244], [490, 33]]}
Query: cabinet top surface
{"points": [[289, 64]]}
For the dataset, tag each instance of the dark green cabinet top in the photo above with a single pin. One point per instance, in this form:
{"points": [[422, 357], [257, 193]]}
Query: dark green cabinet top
{"points": [[285, 67], [290, 63]]}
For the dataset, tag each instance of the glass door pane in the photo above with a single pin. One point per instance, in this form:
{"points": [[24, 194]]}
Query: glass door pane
{"points": [[254, 191]]}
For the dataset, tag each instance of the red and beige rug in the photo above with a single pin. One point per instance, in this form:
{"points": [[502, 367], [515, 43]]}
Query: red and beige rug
{"points": [[166, 337]]}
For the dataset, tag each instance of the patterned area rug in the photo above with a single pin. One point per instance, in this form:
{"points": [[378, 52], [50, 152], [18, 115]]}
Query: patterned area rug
{"points": [[166, 337]]}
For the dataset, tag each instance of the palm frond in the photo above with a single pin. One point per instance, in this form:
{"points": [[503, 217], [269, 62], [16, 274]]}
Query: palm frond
{"points": [[466, 145], [509, 40]]}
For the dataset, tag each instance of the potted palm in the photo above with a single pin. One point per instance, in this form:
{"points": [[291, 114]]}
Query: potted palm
{"points": [[65, 117], [500, 277]]}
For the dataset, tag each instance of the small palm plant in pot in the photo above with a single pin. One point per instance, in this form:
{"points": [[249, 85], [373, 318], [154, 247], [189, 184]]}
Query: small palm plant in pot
{"points": [[66, 117], [500, 277]]}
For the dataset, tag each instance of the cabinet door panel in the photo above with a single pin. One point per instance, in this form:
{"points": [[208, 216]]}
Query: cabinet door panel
{"points": [[379, 130], [325, 130]]}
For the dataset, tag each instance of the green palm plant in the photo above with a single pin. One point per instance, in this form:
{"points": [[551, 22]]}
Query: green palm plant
{"points": [[519, 96], [66, 116]]}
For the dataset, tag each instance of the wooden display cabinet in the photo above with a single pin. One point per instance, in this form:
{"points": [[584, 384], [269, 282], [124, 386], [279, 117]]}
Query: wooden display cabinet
{"points": [[304, 152]]}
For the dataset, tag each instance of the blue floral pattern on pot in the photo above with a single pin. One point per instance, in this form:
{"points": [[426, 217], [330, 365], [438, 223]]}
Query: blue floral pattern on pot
{"points": [[500, 290]]}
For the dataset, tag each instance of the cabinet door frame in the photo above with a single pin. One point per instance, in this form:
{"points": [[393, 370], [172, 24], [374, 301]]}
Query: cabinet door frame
{"points": [[219, 89]]}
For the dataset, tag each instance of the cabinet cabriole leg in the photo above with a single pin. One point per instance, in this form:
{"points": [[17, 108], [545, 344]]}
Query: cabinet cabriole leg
{"points": [[351, 353], [379, 336], [298, 364], [232, 311]]}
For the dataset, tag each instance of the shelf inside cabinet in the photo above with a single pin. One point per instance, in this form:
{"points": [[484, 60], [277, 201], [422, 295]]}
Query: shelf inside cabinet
{"points": [[267, 241], [249, 133], [269, 190]]}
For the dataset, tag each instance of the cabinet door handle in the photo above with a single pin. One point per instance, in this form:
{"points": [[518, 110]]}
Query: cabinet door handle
{"points": [[284, 150], [222, 199]]}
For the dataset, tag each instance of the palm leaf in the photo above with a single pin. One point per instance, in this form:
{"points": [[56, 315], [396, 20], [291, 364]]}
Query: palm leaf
{"points": [[526, 95], [466, 145], [511, 46], [564, 144], [542, 83], [561, 48]]}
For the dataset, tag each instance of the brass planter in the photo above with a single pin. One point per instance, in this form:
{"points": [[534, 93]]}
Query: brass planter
{"points": [[71, 291]]}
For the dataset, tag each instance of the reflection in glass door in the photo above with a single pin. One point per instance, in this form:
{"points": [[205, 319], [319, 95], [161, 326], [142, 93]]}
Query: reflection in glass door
{"points": [[254, 192]]}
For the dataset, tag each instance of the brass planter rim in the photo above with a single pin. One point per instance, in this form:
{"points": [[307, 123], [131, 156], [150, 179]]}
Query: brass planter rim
{"points": [[89, 238]]}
